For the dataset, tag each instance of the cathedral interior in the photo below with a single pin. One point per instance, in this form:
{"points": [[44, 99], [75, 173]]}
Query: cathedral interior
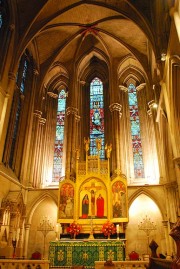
{"points": [[89, 96]]}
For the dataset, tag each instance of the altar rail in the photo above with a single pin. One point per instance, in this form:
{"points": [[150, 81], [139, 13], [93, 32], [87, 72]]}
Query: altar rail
{"points": [[23, 264], [122, 264]]}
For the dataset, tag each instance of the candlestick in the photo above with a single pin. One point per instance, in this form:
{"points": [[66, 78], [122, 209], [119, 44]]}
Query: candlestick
{"points": [[117, 231], [45, 227], [147, 226]]}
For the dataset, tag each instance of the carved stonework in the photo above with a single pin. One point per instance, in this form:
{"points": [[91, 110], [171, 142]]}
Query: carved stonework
{"points": [[115, 107], [123, 88], [12, 76], [53, 95], [141, 86], [37, 113], [71, 110]]}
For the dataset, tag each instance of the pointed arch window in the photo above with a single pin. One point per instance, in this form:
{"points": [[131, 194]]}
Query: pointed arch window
{"points": [[21, 79], [1, 13], [135, 132], [96, 116], [59, 140]]}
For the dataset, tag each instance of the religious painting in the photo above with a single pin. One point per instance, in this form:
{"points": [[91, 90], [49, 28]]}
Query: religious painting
{"points": [[66, 201], [93, 200], [119, 200]]}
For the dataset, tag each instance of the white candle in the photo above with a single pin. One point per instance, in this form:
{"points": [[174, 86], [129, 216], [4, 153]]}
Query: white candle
{"points": [[60, 230], [117, 228]]}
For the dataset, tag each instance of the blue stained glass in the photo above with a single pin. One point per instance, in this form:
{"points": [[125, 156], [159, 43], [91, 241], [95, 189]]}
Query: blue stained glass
{"points": [[18, 111], [135, 132], [59, 140], [96, 116], [24, 74], [1, 20]]}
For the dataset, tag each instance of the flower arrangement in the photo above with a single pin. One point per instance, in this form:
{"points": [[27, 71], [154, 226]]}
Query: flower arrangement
{"points": [[108, 228], [74, 228]]}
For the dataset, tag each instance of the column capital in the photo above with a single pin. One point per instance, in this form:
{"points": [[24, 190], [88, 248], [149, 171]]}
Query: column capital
{"points": [[115, 107], [42, 121], [35, 72], [71, 110], [37, 113], [77, 117], [53, 95], [141, 86], [123, 88], [152, 104], [165, 223], [27, 226], [11, 76], [149, 112]]}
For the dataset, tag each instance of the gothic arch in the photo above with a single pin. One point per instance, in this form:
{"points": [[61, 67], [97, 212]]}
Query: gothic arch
{"points": [[150, 195], [37, 202]]}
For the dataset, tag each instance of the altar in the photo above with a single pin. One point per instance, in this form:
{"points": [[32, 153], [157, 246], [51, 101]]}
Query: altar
{"points": [[85, 252]]}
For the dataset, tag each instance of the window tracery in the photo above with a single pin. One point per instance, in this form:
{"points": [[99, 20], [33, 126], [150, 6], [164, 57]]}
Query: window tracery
{"points": [[135, 132], [96, 116], [59, 140]]}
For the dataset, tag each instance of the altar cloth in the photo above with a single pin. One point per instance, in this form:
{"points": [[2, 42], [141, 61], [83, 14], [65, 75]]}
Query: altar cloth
{"points": [[85, 252]]}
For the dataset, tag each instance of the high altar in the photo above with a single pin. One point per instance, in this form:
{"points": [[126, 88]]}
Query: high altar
{"points": [[91, 199]]}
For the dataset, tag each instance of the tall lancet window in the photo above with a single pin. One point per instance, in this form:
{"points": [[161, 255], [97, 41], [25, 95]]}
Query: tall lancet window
{"points": [[1, 13], [135, 132], [96, 116], [17, 98], [58, 146]]}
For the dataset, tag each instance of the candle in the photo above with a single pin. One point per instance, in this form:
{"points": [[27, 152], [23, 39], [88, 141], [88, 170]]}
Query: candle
{"points": [[60, 230], [117, 228]]}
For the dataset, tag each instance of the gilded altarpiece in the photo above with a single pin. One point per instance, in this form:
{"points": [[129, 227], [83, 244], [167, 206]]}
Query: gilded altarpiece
{"points": [[94, 196]]}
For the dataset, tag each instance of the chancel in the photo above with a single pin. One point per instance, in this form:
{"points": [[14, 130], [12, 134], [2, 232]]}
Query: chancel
{"points": [[89, 132]]}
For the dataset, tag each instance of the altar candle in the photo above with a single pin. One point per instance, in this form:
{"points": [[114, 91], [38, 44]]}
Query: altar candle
{"points": [[60, 230], [117, 228]]}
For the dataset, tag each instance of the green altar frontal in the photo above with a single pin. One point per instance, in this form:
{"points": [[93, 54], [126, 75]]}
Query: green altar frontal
{"points": [[80, 252]]}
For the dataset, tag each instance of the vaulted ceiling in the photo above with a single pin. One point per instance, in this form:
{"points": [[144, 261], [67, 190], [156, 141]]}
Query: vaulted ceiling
{"points": [[72, 32]]}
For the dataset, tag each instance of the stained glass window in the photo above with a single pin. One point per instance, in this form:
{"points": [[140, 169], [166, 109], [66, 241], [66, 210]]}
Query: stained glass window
{"points": [[22, 86], [22, 80], [2, 13], [1, 20], [135, 132], [96, 116], [58, 147]]}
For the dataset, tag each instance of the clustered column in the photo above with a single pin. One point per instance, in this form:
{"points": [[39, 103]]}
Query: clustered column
{"points": [[115, 109], [71, 132]]}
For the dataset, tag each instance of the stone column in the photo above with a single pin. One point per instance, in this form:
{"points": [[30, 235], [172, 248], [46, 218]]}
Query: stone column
{"points": [[115, 109], [20, 241], [154, 140], [26, 239], [35, 149], [165, 224], [49, 139], [27, 152], [5, 116], [71, 113]]}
